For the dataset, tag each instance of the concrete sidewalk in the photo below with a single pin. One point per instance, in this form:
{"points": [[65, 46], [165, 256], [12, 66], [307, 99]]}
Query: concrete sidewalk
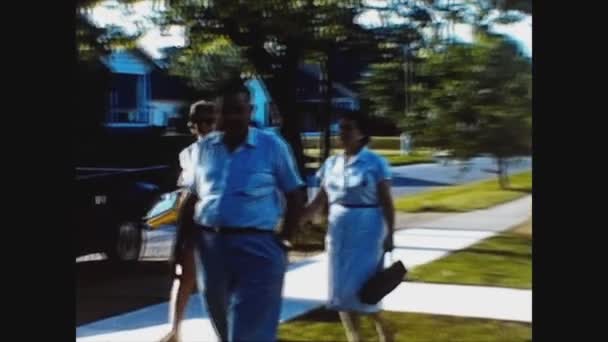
{"points": [[306, 283], [462, 300]]}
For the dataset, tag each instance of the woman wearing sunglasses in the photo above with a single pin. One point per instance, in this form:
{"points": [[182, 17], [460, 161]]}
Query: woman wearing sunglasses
{"points": [[201, 121]]}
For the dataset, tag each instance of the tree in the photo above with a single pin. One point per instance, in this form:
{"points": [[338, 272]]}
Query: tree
{"points": [[276, 37], [476, 101], [208, 65], [384, 85], [93, 78]]}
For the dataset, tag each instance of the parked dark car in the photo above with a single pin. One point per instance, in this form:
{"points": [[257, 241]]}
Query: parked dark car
{"points": [[110, 205]]}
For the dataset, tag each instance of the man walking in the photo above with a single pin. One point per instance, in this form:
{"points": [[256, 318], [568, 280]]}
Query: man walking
{"points": [[240, 174]]}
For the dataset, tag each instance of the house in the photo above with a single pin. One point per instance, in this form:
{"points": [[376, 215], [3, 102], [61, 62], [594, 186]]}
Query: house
{"points": [[142, 94], [311, 101], [262, 104]]}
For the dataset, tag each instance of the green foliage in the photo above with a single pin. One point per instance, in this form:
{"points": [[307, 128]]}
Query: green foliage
{"points": [[478, 99], [207, 65], [384, 89], [469, 99]]}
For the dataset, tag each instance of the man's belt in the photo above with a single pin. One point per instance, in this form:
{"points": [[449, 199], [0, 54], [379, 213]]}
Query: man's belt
{"points": [[235, 230], [354, 205]]}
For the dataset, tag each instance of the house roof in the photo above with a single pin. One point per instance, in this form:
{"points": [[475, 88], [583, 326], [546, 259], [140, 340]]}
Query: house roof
{"points": [[130, 61], [138, 62]]}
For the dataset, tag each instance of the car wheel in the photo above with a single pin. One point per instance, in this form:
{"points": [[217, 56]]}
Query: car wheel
{"points": [[127, 244]]}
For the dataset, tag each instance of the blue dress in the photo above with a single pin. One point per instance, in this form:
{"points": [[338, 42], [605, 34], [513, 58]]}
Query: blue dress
{"points": [[356, 225]]}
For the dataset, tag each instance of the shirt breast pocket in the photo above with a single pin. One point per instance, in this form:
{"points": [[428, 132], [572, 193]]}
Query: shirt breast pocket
{"points": [[257, 184], [357, 180]]}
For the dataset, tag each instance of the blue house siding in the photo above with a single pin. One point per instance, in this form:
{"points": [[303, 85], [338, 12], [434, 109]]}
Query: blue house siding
{"points": [[140, 91], [261, 100]]}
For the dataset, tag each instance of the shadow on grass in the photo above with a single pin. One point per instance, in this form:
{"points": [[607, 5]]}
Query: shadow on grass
{"points": [[320, 315]]}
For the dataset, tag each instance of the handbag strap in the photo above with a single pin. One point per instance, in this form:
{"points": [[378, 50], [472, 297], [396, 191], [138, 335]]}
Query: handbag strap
{"points": [[391, 257], [382, 259]]}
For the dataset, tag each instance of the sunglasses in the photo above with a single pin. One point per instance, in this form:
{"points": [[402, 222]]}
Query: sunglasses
{"points": [[207, 121]]}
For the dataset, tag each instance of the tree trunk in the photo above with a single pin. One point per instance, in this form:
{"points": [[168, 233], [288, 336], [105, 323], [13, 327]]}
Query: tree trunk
{"points": [[326, 70], [283, 91], [503, 175], [286, 101]]}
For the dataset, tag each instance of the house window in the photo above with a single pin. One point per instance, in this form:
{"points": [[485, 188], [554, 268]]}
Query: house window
{"points": [[275, 115], [128, 116]]}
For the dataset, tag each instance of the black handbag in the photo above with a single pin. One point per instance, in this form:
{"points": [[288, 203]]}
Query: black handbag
{"points": [[382, 283]]}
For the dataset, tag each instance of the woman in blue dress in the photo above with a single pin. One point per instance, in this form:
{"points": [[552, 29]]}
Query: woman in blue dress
{"points": [[356, 185]]}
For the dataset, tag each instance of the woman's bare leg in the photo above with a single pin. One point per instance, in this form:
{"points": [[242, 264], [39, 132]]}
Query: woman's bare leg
{"points": [[352, 326], [180, 294], [385, 332]]}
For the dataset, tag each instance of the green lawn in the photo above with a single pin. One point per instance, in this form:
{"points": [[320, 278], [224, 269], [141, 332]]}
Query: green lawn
{"points": [[394, 157], [323, 325], [467, 197], [504, 260], [413, 158]]}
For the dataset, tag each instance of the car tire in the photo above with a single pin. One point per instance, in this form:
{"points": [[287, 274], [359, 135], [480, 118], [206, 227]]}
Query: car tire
{"points": [[127, 244]]}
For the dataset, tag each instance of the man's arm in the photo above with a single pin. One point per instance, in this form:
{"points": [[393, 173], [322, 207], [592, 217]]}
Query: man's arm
{"points": [[290, 183], [293, 212]]}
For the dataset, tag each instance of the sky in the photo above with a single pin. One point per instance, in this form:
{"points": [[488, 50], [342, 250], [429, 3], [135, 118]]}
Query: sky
{"points": [[110, 13], [520, 31]]}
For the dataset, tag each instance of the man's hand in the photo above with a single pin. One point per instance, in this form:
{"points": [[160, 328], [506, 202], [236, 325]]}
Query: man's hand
{"points": [[295, 203], [285, 243]]}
